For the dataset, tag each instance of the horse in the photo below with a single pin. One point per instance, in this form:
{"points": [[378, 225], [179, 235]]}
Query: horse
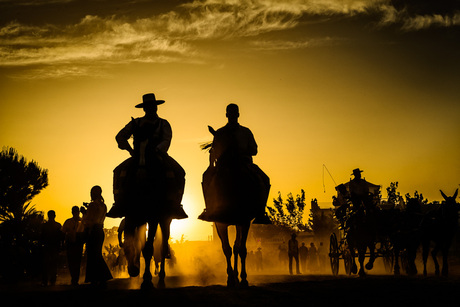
{"points": [[405, 236], [357, 217], [361, 236], [439, 226], [235, 193]]}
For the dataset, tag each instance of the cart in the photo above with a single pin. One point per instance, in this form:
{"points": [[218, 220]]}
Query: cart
{"points": [[339, 249]]}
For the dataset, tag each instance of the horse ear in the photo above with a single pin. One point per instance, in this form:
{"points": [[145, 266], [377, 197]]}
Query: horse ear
{"points": [[443, 195], [455, 194], [211, 129]]}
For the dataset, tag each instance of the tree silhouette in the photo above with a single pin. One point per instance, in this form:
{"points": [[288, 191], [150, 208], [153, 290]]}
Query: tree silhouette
{"points": [[418, 196], [321, 221], [393, 195], [289, 214], [20, 181], [20, 222]]}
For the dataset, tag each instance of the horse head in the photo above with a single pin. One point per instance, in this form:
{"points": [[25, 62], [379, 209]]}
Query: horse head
{"points": [[450, 207]]}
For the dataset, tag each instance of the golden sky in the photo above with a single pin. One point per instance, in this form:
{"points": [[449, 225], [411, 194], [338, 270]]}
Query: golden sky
{"points": [[368, 84]]}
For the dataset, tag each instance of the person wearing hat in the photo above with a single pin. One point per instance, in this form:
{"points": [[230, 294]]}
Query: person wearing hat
{"points": [[150, 171], [235, 189], [359, 190]]}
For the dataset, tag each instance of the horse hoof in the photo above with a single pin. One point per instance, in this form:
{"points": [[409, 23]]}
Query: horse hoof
{"points": [[231, 283], [354, 269], [147, 285], [362, 273], [161, 284], [133, 271], [244, 284]]}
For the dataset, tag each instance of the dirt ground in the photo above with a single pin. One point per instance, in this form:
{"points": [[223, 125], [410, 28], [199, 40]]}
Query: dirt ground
{"points": [[264, 290]]}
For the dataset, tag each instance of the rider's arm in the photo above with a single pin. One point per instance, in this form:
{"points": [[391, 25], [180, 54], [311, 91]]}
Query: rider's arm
{"points": [[124, 135], [165, 136]]}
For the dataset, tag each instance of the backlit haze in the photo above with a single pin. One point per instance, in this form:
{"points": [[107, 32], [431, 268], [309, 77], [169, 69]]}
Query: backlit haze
{"points": [[347, 84]]}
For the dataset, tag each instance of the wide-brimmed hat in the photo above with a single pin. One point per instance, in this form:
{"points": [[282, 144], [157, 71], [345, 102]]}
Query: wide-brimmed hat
{"points": [[149, 99], [357, 171]]}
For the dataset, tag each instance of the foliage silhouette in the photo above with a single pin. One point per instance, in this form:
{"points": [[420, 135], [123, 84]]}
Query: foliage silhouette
{"points": [[20, 222], [321, 222], [289, 214], [393, 195]]}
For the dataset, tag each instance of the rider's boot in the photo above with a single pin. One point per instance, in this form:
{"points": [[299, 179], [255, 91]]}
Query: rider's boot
{"points": [[116, 211], [262, 219], [178, 213]]}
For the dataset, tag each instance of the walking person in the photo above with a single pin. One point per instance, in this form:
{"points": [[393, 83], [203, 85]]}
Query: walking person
{"points": [[97, 272], [51, 238], [73, 239]]}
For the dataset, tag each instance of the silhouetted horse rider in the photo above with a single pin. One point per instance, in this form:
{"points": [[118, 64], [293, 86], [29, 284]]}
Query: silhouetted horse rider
{"points": [[148, 188], [235, 190], [150, 168]]}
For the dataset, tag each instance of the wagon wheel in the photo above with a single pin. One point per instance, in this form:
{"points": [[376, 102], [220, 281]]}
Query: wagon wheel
{"points": [[347, 261], [334, 254]]}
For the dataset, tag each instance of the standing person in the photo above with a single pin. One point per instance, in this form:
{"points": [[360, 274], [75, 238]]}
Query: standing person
{"points": [[321, 256], [313, 256], [97, 272], [303, 255], [73, 236], [259, 260], [51, 238], [293, 245]]}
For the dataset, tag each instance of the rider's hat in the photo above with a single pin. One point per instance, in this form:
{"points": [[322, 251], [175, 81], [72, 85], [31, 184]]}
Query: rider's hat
{"points": [[357, 171], [149, 99]]}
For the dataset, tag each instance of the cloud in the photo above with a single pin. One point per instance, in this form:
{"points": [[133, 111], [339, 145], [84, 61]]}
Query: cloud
{"points": [[278, 45], [92, 39], [414, 15], [172, 36]]}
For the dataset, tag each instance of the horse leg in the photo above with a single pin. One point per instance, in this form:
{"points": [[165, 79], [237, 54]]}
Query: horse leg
{"points": [[396, 269], [242, 251], [411, 256], [222, 232], [361, 258], [165, 231], [370, 264], [147, 252], [426, 250], [445, 266], [354, 267], [131, 248], [436, 264], [236, 251]]}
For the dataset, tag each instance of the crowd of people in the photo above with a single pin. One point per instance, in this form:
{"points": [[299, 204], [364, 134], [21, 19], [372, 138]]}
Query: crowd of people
{"points": [[73, 235]]}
